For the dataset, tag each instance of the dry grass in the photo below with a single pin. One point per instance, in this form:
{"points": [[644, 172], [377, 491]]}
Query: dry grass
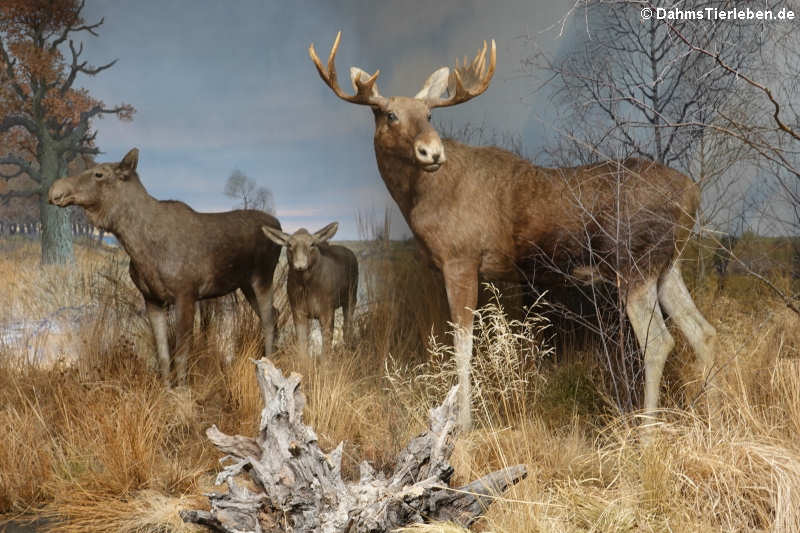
{"points": [[95, 443]]}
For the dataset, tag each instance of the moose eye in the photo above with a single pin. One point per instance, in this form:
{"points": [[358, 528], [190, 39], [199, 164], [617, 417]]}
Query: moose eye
{"points": [[391, 116]]}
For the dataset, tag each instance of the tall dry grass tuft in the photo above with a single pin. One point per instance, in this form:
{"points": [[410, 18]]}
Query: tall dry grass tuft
{"points": [[147, 510], [92, 432], [24, 465], [506, 366]]}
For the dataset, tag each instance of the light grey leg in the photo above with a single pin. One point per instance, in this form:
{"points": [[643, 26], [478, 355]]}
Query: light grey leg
{"points": [[264, 296], [326, 321], [301, 331], [675, 297], [184, 333], [158, 321], [347, 325], [260, 297], [653, 337], [461, 283]]}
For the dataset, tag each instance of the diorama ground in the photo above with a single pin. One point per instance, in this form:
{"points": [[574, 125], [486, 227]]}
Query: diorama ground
{"points": [[90, 440]]}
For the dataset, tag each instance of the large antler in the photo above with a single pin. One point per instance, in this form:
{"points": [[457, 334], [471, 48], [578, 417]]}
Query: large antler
{"points": [[469, 80], [366, 91]]}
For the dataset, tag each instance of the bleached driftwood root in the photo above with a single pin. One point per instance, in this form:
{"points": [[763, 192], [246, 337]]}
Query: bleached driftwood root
{"points": [[300, 488]]}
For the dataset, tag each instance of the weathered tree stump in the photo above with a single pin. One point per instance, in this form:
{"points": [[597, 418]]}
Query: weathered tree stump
{"points": [[300, 488]]}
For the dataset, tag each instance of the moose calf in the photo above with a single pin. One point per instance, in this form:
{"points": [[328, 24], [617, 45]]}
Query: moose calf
{"points": [[322, 277], [178, 256]]}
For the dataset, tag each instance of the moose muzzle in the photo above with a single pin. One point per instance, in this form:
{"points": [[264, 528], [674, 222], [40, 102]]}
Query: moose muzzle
{"points": [[59, 193], [429, 151]]}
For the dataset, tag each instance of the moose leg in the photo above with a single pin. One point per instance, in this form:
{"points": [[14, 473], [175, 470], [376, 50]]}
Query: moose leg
{"points": [[461, 283], [301, 331], [678, 303], [250, 296], [262, 304], [184, 307], [347, 323], [653, 337], [347, 320], [157, 314], [326, 321]]}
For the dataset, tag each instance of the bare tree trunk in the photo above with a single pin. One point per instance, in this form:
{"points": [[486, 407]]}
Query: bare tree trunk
{"points": [[56, 229], [300, 488], [56, 234]]}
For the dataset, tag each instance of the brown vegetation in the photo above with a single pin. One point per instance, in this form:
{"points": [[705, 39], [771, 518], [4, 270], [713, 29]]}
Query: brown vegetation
{"points": [[101, 445]]}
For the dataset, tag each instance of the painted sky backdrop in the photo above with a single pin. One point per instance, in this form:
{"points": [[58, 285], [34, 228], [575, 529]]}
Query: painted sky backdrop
{"points": [[225, 85]]}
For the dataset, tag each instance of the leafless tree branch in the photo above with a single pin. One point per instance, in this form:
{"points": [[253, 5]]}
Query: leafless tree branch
{"points": [[90, 28], [22, 165]]}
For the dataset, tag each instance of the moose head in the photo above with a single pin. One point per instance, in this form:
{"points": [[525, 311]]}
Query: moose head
{"points": [[402, 124]]}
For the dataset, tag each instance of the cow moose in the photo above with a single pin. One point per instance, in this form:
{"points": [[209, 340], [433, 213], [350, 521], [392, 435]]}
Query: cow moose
{"points": [[177, 255], [486, 211], [322, 278]]}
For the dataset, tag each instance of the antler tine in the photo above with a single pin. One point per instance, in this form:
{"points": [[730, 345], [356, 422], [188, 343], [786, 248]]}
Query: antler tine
{"points": [[364, 89], [473, 74], [328, 75], [313, 54], [480, 61], [332, 55]]}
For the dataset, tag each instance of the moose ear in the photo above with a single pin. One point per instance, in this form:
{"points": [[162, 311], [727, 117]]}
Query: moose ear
{"points": [[435, 85], [275, 235], [130, 160], [327, 232]]}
